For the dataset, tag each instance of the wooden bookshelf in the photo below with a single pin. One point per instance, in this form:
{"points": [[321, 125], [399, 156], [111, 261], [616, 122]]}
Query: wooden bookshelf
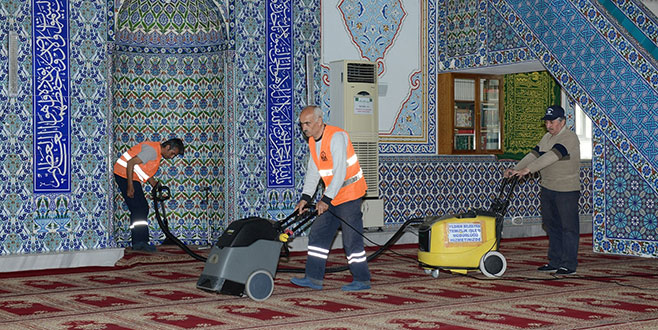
{"points": [[469, 113]]}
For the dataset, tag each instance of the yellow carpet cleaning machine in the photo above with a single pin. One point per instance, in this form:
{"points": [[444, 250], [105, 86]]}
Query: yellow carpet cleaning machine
{"points": [[466, 241]]}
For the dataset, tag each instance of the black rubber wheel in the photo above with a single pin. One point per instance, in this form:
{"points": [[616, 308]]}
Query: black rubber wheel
{"points": [[493, 264]]}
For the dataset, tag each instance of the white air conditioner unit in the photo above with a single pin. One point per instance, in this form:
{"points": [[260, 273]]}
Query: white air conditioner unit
{"points": [[355, 108], [373, 213]]}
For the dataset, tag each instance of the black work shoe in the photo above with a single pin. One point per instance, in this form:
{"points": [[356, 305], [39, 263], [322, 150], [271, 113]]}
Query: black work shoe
{"points": [[547, 268], [565, 271], [144, 247]]}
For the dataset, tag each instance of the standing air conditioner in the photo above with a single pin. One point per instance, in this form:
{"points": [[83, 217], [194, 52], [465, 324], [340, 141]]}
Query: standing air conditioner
{"points": [[354, 108]]}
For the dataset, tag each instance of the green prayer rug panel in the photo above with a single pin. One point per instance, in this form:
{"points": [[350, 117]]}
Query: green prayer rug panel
{"points": [[527, 95]]}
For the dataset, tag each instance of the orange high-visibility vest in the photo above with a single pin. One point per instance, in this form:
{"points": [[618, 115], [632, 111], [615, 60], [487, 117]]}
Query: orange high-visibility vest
{"points": [[141, 172], [354, 186]]}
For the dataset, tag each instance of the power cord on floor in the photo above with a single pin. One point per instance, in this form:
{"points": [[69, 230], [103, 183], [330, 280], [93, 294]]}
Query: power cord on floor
{"points": [[373, 242]]}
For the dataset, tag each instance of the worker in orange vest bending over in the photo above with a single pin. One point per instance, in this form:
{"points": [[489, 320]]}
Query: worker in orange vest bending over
{"points": [[333, 160], [140, 163]]}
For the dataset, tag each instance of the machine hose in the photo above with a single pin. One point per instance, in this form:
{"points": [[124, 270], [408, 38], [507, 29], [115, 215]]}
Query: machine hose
{"points": [[161, 193], [372, 256]]}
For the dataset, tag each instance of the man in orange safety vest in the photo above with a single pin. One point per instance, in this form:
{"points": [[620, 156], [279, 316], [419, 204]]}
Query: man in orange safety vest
{"points": [[134, 168], [332, 159]]}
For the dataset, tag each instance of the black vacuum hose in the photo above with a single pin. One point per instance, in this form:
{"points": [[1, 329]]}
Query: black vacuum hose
{"points": [[373, 256], [161, 193]]}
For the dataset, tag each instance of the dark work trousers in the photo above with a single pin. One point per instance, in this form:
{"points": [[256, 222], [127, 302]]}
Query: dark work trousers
{"points": [[559, 212], [138, 207], [322, 235]]}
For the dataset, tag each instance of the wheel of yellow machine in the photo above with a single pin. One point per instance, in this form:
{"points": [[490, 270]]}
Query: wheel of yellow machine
{"points": [[493, 264]]}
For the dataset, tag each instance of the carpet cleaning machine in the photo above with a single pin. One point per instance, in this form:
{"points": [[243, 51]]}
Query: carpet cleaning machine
{"points": [[245, 258], [466, 241]]}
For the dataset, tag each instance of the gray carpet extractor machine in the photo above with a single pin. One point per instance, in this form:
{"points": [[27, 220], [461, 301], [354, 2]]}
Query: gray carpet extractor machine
{"points": [[244, 259]]}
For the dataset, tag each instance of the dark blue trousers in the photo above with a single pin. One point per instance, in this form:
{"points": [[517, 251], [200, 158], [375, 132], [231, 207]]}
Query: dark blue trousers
{"points": [[138, 207], [322, 234], [559, 211]]}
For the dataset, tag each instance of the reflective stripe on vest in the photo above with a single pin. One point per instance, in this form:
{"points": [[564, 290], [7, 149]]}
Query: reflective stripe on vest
{"points": [[137, 169], [354, 185], [353, 179], [350, 161], [141, 172]]}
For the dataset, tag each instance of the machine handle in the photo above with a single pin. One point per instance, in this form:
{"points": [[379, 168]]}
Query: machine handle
{"points": [[293, 217], [499, 204], [512, 182], [301, 220]]}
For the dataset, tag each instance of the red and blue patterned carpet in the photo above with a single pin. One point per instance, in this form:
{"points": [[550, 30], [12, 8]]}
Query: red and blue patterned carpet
{"points": [[157, 291]]}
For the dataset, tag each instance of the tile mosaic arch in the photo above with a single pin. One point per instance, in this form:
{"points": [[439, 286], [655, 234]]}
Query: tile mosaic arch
{"points": [[168, 74], [162, 96], [166, 26]]}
